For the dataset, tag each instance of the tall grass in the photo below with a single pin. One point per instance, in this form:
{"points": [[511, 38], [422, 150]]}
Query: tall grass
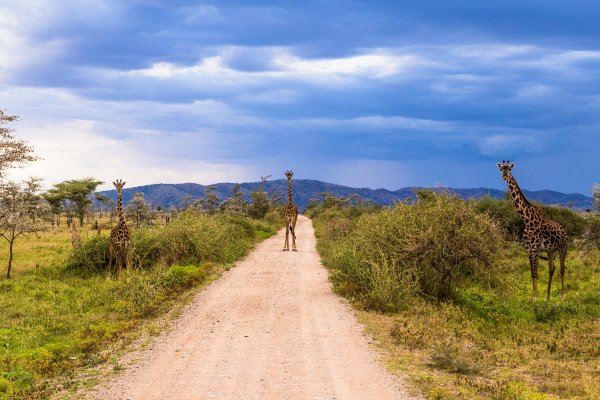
{"points": [[487, 339], [64, 314]]}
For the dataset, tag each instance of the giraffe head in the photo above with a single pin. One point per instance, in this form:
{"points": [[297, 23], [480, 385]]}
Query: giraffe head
{"points": [[289, 174], [119, 184], [505, 167]]}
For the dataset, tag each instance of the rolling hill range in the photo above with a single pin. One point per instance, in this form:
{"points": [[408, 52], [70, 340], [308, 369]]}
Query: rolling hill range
{"points": [[172, 195]]}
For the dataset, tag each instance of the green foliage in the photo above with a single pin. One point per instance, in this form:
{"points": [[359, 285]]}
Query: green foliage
{"points": [[505, 214], [183, 276], [78, 192], [139, 210], [260, 204], [430, 247], [57, 319], [572, 221], [191, 238], [90, 255]]}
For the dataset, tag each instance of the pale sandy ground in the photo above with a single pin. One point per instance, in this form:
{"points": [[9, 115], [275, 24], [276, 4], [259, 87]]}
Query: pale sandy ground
{"points": [[270, 328]]}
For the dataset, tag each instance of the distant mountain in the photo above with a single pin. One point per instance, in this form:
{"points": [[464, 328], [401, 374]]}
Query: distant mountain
{"points": [[168, 195]]}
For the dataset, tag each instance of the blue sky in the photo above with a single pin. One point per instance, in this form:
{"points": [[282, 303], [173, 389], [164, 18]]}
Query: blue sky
{"points": [[372, 93]]}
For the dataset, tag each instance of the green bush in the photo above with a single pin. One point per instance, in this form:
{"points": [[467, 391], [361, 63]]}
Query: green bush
{"points": [[504, 212], [91, 254], [191, 238], [427, 248], [146, 248], [183, 276]]}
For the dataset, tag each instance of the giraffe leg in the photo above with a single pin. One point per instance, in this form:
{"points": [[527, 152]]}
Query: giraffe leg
{"points": [[119, 262], [533, 265], [562, 256], [110, 257], [551, 256], [286, 245], [293, 229]]}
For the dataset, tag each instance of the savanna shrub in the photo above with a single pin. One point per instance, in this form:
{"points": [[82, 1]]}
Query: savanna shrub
{"points": [[91, 254], [505, 214], [424, 248], [183, 276], [573, 222]]}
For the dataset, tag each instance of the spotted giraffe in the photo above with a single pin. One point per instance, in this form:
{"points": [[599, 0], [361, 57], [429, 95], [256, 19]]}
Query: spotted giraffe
{"points": [[290, 215], [120, 236], [75, 235], [541, 234]]}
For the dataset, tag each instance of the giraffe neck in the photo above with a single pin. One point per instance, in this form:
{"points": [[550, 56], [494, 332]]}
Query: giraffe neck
{"points": [[120, 205], [523, 206], [290, 201]]}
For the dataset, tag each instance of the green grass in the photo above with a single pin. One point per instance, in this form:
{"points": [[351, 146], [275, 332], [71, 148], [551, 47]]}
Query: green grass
{"points": [[60, 315], [489, 340]]}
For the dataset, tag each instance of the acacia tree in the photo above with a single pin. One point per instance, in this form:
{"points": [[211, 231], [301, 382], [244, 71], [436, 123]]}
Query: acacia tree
{"points": [[235, 204], [56, 202], [139, 210], [21, 211], [78, 192], [210, 201], [260, 202]]}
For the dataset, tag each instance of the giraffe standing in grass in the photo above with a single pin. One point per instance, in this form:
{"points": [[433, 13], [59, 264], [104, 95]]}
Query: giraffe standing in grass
{"points": [[541, 234], [120, 236], [75, 235], [290, 215]]}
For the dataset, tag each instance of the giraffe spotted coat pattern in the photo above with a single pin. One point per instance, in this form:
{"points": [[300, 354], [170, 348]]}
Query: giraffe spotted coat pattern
{"points": [[541, 234], [290, 216], [120, 236]]}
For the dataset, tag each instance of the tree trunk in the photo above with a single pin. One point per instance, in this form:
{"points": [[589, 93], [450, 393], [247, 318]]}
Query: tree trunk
{"points": [[10, 257]]}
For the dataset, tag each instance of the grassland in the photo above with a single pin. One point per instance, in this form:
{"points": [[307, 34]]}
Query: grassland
{"points": [[60, 313], [488, 339]]}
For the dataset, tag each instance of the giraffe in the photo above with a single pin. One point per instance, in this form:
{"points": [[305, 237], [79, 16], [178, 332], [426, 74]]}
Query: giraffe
{"points": [[75, 235], [541, 234], [290, 215], [120, 237]]}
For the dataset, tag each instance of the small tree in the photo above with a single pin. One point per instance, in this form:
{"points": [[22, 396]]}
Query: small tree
{"points": [[260, 202], [596, 194], [56, 202], [13, 152], [21, 212], [138, 210], [78, 191], [235, 204], [210, 201]]}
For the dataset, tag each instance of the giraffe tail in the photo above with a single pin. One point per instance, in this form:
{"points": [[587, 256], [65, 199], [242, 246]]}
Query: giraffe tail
{"points": [[292, 230], [543, 258]]}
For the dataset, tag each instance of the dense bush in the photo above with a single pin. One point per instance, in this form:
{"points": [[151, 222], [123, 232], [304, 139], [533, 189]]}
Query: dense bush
{"points": [[183, 276], [425, 248], [191, 238], [504, 212]]}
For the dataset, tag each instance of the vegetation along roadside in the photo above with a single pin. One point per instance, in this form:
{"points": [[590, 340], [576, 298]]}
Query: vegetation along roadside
{"points": [[444, 285]]}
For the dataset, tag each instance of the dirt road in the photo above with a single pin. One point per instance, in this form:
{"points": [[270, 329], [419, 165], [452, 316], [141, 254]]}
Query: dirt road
{"points": [[270, 328]]}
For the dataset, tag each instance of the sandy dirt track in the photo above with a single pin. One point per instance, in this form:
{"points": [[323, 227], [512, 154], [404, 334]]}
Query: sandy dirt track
{"points": [[270, 328]]}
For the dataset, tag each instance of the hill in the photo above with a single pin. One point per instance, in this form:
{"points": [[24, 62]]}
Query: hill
{"points": [[172, 195]]}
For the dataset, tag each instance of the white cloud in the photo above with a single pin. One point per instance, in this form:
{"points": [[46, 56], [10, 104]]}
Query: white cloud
{"points": [[499, 144], [282, 64], [74, 151]]}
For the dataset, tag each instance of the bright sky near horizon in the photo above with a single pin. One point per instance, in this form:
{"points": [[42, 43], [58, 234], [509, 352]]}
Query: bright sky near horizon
{"points": [[361, 93]]}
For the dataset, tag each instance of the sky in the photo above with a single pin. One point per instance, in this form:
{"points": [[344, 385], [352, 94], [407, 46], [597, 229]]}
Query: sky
{"points": [[360, 93]]}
